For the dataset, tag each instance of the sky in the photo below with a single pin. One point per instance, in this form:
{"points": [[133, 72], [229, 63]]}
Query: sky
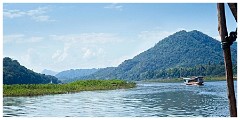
{"points": [[67, 36]]}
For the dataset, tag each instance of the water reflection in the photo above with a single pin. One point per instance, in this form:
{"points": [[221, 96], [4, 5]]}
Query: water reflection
{"points": [[148, 99]]}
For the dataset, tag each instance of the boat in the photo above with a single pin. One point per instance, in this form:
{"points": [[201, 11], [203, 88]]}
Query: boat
{"points": [[193, 80]]}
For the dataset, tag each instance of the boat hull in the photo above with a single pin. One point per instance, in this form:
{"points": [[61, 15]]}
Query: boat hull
{"points": [[194, 83]]}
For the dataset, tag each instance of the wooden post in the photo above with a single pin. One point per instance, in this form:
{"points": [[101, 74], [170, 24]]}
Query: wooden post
{"points": [[222, 28], [233, 7]]}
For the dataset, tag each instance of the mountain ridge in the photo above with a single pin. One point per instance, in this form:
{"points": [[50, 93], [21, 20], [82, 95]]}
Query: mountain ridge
{"points": [[72, 74], [181, 49], [14, 73]]}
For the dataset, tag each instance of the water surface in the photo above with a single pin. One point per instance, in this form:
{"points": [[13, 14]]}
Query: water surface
{"points": [[146, 100]]}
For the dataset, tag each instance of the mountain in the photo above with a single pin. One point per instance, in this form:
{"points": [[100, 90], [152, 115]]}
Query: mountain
{"points": [[182, 49], [49, 72], [71, 75], [14, 73]]}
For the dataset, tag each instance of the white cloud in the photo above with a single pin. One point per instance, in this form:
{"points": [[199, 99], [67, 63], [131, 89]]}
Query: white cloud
{"points": [[92, 52], [87, 38], [13, 13], [21, 38], [88, 50], [64, 54], [30, 59], [61, 55], [12, 38], [26, 58], [88, 53], [84, 50], [34, 39], [114, 6], [38, 11], [56, 54], [42, 18], [82, 46], [38, 14]]}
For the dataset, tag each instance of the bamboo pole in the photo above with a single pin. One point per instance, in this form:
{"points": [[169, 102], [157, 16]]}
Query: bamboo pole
{"points": [[233, 7], [222, 28]]}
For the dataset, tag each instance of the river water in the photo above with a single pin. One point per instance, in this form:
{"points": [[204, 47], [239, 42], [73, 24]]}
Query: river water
{"points": [[146, 100]]}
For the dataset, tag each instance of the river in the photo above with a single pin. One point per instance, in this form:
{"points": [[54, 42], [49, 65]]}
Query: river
{"points": [[146, 100]]}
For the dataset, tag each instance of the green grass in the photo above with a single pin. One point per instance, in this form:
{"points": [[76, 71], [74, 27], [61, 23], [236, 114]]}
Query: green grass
{"points": [[218, 78], [170, 80], [77, 86]]}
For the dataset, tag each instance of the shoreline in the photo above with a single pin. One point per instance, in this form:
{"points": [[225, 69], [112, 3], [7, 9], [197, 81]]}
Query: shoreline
{"points": [[178, 80], [20, 90]]}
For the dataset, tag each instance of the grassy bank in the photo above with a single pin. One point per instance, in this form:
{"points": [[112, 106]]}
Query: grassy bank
{"points": [[171, 80], [221, 78], [45, 89]]}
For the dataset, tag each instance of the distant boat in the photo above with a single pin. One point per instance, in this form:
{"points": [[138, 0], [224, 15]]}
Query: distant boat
{"points": [[193, 80]]}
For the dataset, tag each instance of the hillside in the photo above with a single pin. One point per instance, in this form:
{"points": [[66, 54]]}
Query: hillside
{"points": [[14, 73], [71, 75], [182, 49]]}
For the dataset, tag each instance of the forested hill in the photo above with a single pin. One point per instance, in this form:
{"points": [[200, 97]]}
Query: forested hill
{"points": [[14, 73], [74, 74], [182, 49]]}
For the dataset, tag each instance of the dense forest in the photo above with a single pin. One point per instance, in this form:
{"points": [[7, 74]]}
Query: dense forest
{"points": [[14, 73], [199, 70], [182, 50]]}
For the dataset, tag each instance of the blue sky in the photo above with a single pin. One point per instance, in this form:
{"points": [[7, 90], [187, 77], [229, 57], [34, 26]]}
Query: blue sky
{"points": [[73, 36]]}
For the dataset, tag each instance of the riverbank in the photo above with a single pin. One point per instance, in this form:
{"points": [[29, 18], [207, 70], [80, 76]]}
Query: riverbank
{"points": [[174, 80], [77, 86]]}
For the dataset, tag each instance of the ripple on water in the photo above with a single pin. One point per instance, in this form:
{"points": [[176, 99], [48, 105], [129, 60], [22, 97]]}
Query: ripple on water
{"points": [[147, 100]]}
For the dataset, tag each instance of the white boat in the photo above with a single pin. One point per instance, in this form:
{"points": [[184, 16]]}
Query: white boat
{"points": [[194, 80]]}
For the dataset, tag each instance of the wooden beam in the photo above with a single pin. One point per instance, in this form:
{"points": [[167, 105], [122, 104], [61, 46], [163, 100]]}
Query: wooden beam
{"points": [[233, 8], [222, 28]]}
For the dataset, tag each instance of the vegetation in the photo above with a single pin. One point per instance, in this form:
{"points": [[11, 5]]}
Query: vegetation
{"points": [[174, 80], [217, 78], [199, 70], [77, 86], [72, 75], [168, 80], [186, 53], [14, 73]]}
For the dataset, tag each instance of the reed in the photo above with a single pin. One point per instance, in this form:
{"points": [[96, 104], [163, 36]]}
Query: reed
{"points": [[77, 86]]}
